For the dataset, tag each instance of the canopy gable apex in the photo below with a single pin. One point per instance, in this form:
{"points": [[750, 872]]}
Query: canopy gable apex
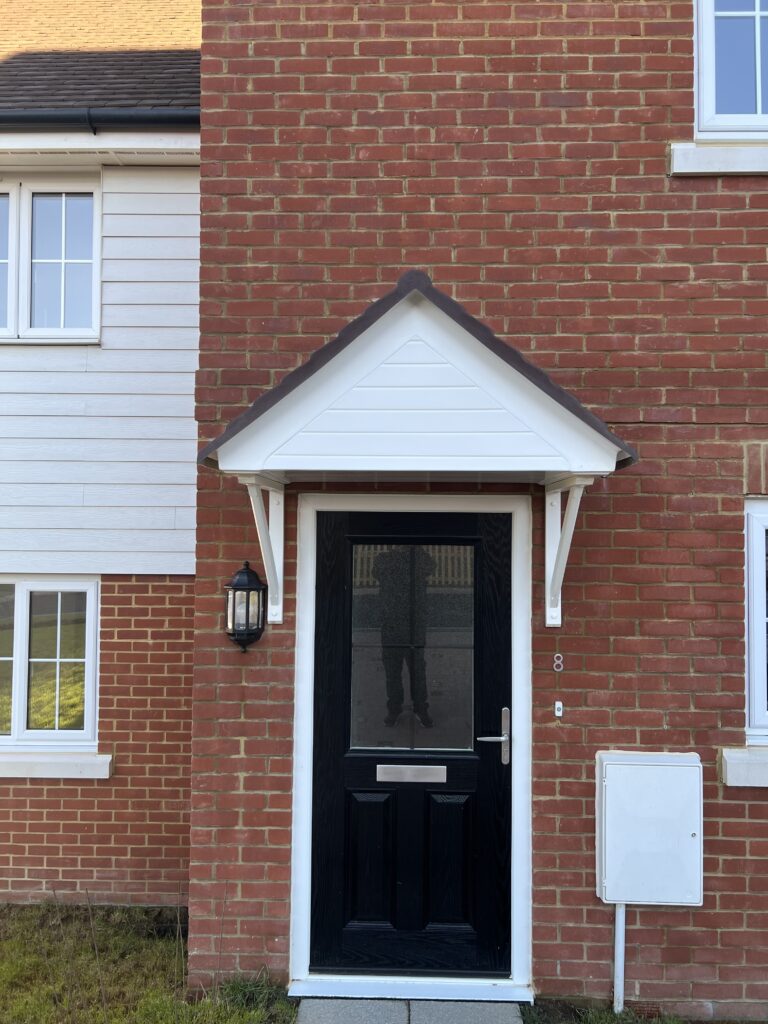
{"points": [[417, 373]]}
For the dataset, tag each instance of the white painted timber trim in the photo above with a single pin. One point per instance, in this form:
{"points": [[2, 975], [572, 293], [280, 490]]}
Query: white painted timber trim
{"points": [[271, 537], [687, 158], [557, 541], [744, 766], [519, 984], [104, 147], [55, 766], [397, 987]]}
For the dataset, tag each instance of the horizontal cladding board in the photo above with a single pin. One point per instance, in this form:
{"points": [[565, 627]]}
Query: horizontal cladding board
{"points": [[77, 404], [29, 471], [445, 445], [150, 316], [414, 463], [150, 270], [95, 449], [151, 179], [129, 561], [417, 376], [179, 498], [96, 383], [92, 359], [145, 293], [143, 248], [123, 427], [139, 517], [127, 225], [460, 398], [139, 338], [151, 203], [97, 540]]}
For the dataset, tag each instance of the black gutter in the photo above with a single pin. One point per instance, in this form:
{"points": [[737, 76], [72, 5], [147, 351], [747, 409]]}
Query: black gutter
{"points": [[95, 119]]}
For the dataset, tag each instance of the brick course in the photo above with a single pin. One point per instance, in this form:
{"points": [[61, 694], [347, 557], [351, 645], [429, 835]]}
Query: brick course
{"points": [[123, 839], [518, 153]]}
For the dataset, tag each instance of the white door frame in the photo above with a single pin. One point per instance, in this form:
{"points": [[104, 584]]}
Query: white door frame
{"points": [[519, 984]]}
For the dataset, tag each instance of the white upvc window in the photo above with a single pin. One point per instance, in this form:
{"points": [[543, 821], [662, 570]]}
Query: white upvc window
{"points": [[50, 259], [757, 619], [48, 664], [732, 68]]}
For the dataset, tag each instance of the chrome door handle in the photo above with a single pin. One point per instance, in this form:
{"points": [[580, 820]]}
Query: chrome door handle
{"points": [[503, 739]]}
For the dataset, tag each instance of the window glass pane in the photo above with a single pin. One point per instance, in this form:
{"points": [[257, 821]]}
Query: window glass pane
{"points": [[6, 620], [735, 5], [764, 65], [735, 75], [78, 243], [41, 696], [46, 227], [77, 294], [764, 5], [72, 642], [412, 646], [71, 696], [46, 294], [3, 294], [6, 673], [5, 205], [43, 624]]}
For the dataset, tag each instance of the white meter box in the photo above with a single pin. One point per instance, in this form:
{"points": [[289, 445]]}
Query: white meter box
{"points": [[649, 814]]}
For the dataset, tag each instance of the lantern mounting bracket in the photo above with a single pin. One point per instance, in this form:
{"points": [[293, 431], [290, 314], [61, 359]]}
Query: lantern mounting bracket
{"points": [[558, 537], [271, 531]]}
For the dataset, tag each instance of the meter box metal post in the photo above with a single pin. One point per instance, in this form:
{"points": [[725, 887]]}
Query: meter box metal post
{"points": [[649, 814]]}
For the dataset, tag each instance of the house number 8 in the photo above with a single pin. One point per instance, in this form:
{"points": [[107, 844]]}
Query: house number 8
{"points": [[557, 663]]}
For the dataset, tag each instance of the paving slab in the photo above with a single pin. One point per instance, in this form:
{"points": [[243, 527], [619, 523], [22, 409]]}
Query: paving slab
{"points": [[354, 1011], [400, 1011], [433, 1012]]}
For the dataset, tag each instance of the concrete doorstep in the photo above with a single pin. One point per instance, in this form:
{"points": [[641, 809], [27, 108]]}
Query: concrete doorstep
{"points": [[404, 1011]]}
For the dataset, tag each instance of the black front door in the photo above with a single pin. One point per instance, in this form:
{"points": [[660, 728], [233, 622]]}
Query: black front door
{"points": [[411, 814]]}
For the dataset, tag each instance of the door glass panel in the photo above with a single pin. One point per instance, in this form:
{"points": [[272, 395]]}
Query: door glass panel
{"points": [[412, 646]]}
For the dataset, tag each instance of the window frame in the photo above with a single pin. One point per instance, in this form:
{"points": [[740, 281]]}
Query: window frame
{"points": [[757, 613], [21, 738], [21, 191], [709, 124]]}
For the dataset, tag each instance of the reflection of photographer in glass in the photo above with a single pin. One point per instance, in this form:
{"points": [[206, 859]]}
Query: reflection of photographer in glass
{"points": [[402, 573]]}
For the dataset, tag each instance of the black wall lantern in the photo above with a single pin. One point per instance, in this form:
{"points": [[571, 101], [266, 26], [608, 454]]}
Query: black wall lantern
{"points": [[246, 607]]}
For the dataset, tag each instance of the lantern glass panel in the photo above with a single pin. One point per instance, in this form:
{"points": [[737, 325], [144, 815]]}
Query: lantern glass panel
{"points": [[230, 611], [254, 612], [240, 609]]}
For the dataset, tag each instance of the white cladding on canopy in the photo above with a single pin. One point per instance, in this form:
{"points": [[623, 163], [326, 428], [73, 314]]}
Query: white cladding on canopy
{"points": [[415, 393]]}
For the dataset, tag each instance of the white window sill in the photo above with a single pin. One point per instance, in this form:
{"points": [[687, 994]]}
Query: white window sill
{"points": [[687, 158], [49, 765], [26, 342], [744, 766]]}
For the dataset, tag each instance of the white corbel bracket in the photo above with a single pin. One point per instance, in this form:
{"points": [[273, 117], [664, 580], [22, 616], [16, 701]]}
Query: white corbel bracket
{"points": [[557, 538], [271, 533]]}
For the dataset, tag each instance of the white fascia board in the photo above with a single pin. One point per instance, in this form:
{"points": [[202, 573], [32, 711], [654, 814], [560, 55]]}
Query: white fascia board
{"points": [[696, 158], [575, 446], [101, 148]]}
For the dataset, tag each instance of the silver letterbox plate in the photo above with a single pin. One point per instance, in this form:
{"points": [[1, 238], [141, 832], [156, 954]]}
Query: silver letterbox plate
{"points": [[410, 772]]}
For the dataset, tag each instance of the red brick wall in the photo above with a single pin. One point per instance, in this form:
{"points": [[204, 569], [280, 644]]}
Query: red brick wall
{"points": [[516, 151], [124, 839]]}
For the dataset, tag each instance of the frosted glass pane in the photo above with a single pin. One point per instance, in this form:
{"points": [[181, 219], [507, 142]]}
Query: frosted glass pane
{"points": [[735, 5], [41, 698], [79, 228], [77, 294], [46, 227], [6, 672], [71, 696], [3, 294], [6, 620], [46, 295], [4, 214], [72, 642], [735, 76], [43, 624]]}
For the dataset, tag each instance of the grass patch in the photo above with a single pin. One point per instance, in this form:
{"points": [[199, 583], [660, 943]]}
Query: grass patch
{"points": [[62, 964], [556, 1011]]}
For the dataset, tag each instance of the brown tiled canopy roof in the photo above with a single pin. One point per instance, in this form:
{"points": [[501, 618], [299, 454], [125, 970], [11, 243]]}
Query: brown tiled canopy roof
{"points": [[59, 54]]}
